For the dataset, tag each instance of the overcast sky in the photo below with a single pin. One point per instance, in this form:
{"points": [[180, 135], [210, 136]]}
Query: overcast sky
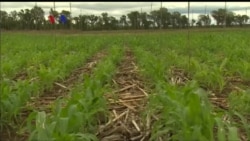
{"points": [[117, 9]]}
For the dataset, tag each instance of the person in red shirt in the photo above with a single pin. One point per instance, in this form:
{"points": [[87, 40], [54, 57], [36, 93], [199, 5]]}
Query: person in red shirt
{"points": [[51, 19]]}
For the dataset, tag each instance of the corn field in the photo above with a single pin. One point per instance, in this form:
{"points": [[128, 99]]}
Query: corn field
{"points": [[154, 86]]}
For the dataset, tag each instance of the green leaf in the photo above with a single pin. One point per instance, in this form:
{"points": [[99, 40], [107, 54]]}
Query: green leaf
{"points": [[71, 110], [221, 133], [41, 127], [63, 124], [222, 65], [233, 134]]}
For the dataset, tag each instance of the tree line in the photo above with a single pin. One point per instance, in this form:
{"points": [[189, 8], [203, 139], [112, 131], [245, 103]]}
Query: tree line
{"points": [[34, 19]]}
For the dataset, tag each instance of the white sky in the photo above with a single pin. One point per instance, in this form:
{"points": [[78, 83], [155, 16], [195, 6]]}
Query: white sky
{"points": [[117, 9]]}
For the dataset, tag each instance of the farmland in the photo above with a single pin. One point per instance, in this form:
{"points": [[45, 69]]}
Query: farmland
{"points": [[126, 86]]}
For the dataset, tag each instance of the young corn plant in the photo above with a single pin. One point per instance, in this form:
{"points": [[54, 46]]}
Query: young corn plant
{"points": [[239, 107], [16, 93], [78, 119], [184, 114], [240, 101]]}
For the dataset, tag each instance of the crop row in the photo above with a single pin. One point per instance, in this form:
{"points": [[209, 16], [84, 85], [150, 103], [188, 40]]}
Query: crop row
{"points": [[78, 119], [15, 94], [185, 112], [180, 73]]}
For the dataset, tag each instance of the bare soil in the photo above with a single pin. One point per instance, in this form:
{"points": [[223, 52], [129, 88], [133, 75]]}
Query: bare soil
{"points": [[126, 103], [20, 76]]}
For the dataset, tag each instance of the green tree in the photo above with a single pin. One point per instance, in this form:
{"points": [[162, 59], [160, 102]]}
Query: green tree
{"points": [[105, 19], [76, 22], [204, 20], [230, 19], [134, 18], [165, 17], [123, 21], [241, 19], [21, 19], [176, 19], [100, 23], [219, 16], [193, 22], [184, 21], [13, 20], [27, 19], [83, 19], [155, 17], [113, 22], [145, 23], [246, 18], [37, 15], [4, 19], [92, 20], [54, 13]]}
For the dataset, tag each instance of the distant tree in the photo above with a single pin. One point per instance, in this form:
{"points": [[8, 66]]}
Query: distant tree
{"points": [[246, 18], [241, 19], [193, 22], [83, 19], [100, 23], [134, 19], [4, 19], [77, 22], [204, 20], [230, 18], [37, 15], [26, 19], [113, 22], [105, 19], [161, 17], [54, 13], [219, 16], [155, 17], [13, 20], [184, 21], [123, 21], [92, 20], [20, 15], [199, 24], [34, 19], [145, 23], [165, 17], [176, 19]]}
